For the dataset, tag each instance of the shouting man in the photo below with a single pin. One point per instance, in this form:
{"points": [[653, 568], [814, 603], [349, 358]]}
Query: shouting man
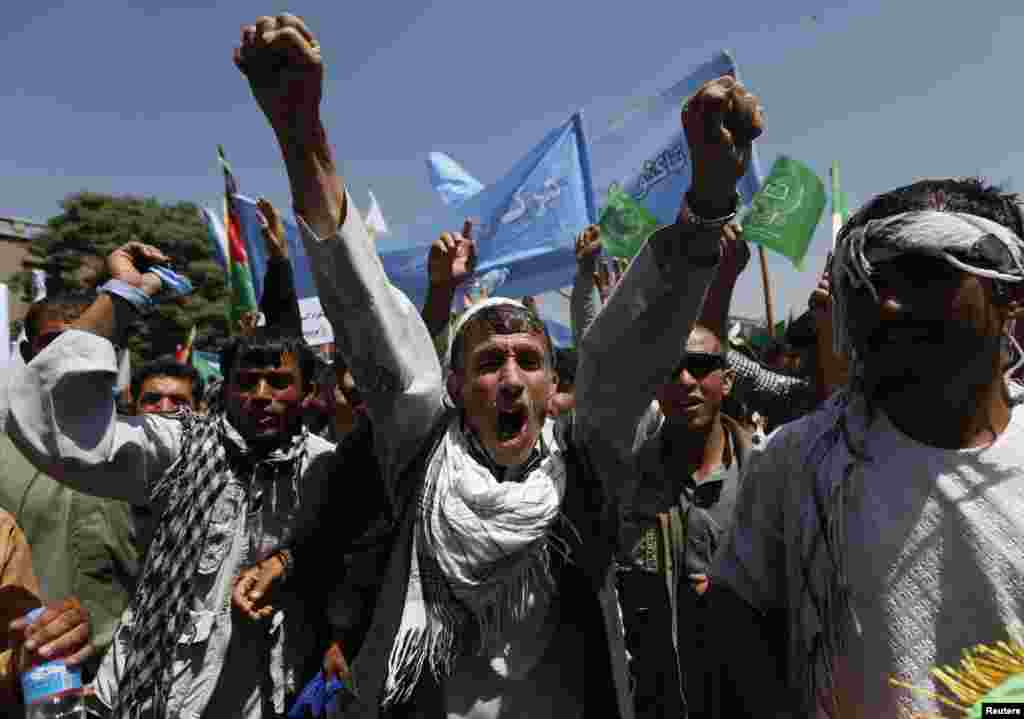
{"points": [[230, 489], [497, 601]]}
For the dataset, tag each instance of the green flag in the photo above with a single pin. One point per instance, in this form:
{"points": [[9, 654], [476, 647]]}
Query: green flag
{"points": [[207, 364], [625, 224], [785, 212]]}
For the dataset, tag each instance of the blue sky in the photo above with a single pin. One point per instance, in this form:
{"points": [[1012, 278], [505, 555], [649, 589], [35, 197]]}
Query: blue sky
{"points": [[133, 100]]}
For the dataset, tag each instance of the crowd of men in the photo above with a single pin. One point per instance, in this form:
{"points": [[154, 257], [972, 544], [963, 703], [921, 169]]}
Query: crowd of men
{"points": [[453, 519]]}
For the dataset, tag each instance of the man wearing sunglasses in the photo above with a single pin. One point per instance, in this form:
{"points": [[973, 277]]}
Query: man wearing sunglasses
{"points": [[82, 545], [689, 455]]}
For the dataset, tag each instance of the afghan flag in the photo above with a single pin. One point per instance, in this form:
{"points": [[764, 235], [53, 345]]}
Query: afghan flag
{"points": [[786, 210], [625, 224], [243, 295]]}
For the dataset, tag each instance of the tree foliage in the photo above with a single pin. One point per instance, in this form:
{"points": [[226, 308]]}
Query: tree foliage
{"points": [[73, 250]]}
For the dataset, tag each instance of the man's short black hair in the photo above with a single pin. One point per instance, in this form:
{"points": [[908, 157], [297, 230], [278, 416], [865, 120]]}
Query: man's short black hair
{"points": [[264, 348], [66, 306], [955, 194], [168, 366], [969, 195]]}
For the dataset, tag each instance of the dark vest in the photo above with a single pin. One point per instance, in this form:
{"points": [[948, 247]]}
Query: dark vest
{"points": [[588, 526]]}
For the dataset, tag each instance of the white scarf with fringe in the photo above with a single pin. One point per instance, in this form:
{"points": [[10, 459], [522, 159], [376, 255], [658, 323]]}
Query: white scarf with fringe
{"points": [[480, 555]]}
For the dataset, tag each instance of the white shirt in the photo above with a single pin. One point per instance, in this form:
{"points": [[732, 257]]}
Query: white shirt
{"points": [[935, 551]]}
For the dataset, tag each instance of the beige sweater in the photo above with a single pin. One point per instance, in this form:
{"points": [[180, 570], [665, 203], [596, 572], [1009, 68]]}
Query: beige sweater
{"points": [[19, 593]]}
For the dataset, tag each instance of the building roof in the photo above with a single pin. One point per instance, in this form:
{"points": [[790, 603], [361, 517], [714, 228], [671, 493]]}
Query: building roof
{"points": [[15, 228]]}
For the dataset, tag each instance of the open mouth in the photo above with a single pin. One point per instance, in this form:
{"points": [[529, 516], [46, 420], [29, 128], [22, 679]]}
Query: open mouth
{"points": [[511, 423]]}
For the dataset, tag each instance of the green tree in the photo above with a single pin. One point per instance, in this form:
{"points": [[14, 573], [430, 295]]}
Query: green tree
{"points": [[91, 225]]}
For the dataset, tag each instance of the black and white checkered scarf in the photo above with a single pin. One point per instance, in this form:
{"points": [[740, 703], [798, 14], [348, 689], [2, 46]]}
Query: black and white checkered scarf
{"points": [[188, 491]]}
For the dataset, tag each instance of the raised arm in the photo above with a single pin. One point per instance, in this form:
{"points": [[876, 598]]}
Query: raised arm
{"points": [[714, 314], [636, 340], [280, 302], [377, 329], [61, 411], [450, 262], [585, 303], [832, 369]]}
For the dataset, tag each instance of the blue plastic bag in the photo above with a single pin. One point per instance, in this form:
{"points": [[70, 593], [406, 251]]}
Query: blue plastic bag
{"points": [[318, 696], [174, 285]]}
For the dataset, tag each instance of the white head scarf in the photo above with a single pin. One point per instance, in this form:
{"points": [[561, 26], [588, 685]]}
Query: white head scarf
{"points": [[470, 313], [970, 243]]}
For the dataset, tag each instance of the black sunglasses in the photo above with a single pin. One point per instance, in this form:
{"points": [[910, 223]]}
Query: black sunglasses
{"points": [[700, 364]]}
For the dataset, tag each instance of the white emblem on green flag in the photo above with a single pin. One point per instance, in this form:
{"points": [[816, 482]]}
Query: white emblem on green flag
{"points": [[785, 212], [625, 224]]}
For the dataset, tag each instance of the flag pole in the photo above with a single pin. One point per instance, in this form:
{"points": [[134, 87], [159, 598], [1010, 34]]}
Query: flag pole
{"points": [[769, 313], [837, 209]]}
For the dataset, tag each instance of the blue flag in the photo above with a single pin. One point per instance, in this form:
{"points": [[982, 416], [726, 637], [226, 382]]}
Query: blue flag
{"points": [[645, 153], [561, 336], [526, 222], [451, 181]]}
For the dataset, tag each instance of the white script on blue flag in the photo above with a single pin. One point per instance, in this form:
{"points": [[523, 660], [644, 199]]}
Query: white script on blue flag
{"points": [[523, 202]]}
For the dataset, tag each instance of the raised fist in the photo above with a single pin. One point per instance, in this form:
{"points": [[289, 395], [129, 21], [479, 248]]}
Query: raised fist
{"points": [[272, 229], [588, 243], [124, 262], [452, 258], [281, 59], [721, 121], [821, 297]]}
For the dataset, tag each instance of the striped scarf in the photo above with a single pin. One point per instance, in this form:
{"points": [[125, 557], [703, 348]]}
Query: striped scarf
{"points": [[188, 490]]}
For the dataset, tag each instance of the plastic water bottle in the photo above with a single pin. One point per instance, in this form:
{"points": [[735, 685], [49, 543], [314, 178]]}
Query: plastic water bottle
{"points": [[52, 690]]}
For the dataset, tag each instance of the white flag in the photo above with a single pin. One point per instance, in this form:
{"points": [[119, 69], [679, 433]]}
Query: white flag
{"points": [[124, 370], [5, 327], [38, 285], [375, 218]]}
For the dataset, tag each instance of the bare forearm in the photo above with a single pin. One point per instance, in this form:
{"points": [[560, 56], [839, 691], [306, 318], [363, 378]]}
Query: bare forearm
{"points": [[318, 192], [715, 313], [585, 303], [833, 370], [107, 317], [438, 307]]}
